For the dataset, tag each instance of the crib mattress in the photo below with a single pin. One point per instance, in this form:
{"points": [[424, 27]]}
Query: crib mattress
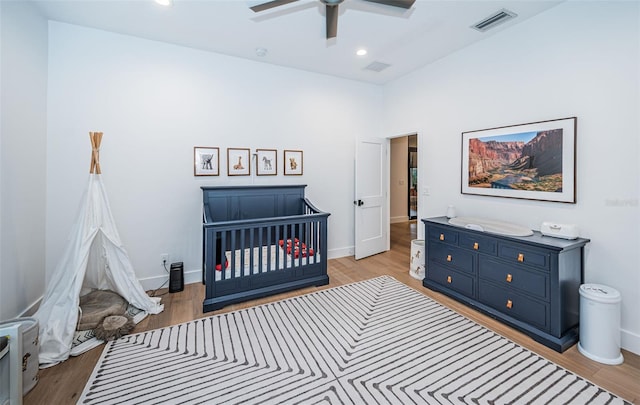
{"points": [[286, 258]]}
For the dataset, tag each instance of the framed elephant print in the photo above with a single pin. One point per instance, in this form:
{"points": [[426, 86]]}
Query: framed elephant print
{"points": [[206, 161]]}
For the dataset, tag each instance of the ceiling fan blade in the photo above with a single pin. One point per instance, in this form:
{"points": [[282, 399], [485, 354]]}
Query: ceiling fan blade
{"points": [[394, 3], [270, 4], [332, 21]]}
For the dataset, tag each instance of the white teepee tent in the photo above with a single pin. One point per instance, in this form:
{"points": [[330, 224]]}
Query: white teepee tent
{"points": [[94, 258]]}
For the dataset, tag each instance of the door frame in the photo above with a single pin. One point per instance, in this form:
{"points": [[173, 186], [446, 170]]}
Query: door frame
{"points": [[418, 142], [421, 190], [410, 149]]}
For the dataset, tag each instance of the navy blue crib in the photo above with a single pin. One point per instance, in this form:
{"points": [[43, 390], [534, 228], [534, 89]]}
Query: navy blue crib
{"points": [[259, 241]]}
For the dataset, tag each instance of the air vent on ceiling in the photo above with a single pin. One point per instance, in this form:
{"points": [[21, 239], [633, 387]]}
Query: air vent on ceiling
{"points": [[500, 17], [377, 66]]}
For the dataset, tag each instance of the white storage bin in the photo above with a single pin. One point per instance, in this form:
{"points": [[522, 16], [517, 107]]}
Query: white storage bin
{"points": [[28, 358], [600, 323], [416, 265]]}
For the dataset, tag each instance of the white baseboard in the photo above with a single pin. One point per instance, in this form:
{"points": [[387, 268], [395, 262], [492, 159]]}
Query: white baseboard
{"points": [[342, 252], [31, 309], [157, 282], [630, 341], [195, 276], [395, 220]]}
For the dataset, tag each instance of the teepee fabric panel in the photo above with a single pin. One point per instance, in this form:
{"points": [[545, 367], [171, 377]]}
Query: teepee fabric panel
{"points": [[93, 258]]}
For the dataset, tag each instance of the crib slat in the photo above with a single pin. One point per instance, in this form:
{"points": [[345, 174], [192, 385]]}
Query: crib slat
{"points": [[261, 245], [232, 249], [271, 239], [222, 255], [245, 252]]}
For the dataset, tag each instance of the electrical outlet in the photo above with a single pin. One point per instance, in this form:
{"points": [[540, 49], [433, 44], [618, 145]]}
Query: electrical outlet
{"points": [[164, 259]]}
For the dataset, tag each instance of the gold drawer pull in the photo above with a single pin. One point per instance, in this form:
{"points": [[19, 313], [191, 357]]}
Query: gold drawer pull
{"points": [[449, 279], [509, 278], [521, 257], [442, 236], [509, 304], [475, 245], [448, 258]]}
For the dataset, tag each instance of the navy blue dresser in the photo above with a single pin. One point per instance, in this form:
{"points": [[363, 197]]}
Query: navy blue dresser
{"points": [[530, 283]]}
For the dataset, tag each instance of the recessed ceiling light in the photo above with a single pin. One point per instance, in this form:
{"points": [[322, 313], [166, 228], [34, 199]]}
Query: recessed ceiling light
{"points": [[164, 2], [361, 52]]}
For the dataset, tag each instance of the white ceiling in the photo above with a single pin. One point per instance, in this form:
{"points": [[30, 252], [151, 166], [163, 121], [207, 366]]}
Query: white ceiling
{"points": [[294, 34]]}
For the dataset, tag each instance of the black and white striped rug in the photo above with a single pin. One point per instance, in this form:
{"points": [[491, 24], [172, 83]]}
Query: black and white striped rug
{"points": [[372, 342]]}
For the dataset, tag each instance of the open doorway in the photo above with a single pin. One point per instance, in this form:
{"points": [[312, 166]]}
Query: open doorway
{"points": [[403, 179], [413, 177], [383, 191]]}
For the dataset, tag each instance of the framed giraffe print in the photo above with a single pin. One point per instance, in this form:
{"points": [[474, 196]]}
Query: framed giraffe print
{"points": [[238, 163], [206, 161], [292, 162]]}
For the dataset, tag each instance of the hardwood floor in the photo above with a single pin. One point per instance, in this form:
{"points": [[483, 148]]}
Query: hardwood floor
{"points": [[64, 383]]}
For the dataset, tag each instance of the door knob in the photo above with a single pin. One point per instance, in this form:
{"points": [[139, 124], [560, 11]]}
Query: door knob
{"points": [[358, 203]]}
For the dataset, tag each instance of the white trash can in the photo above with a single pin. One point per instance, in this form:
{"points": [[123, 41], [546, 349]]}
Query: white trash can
{"points": [[416, 265], [29, 329], [600, 323]]}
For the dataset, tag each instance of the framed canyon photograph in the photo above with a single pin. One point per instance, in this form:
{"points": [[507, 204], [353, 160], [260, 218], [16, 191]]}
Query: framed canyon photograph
{"points": [[534, 161]]}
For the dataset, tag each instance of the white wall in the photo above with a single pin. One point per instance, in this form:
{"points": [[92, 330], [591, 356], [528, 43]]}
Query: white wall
{"points": [[577, 59], [399, 179], [23, 84], [155, 102]]}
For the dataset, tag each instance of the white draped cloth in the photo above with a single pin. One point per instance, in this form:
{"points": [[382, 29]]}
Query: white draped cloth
{"points": [[94, 258]]}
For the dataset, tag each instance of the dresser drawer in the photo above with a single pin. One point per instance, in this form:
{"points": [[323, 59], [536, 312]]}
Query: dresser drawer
{"points": [[451, 279], [505, 275], [445, 235], [515, 305], [450, 256], [516, 253], [478, 243]]}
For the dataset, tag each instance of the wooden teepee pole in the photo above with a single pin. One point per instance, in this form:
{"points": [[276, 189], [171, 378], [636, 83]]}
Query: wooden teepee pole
{"points": [[96, 139]]}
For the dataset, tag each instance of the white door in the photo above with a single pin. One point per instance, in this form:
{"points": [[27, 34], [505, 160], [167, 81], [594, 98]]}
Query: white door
{"points": [[370, 203]]}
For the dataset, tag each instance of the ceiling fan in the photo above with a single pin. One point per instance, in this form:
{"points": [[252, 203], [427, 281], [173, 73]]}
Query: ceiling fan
{"points": [[331, 7]]}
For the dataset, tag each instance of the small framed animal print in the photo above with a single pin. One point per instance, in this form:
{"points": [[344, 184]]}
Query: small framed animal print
{"points": [[292, 162], [238, 163], [206, 161], [266, 162]]}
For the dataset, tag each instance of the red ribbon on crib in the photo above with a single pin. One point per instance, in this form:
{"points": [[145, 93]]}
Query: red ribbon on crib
{"points": [[297, 249], [219, 266]]}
